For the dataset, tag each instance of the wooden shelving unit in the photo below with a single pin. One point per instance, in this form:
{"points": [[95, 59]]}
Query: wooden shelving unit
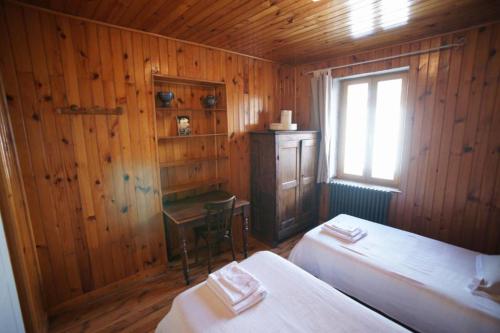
{"points": [[159, 108], [193, 164], [192, 161], [171, 137], [194, 185]]}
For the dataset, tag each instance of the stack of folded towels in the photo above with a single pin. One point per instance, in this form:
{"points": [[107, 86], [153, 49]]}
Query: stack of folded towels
{"points": [[345, 230], [236, 287]]}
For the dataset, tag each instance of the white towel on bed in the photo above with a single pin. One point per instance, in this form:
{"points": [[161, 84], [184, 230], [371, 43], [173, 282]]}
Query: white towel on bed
{"points": [[244, 304], [350, 239], [236, 288], [233, 283], [346, 228]]}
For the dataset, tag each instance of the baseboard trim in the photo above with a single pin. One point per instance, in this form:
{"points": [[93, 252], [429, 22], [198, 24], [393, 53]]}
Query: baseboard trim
{"points": [[107, 290]]}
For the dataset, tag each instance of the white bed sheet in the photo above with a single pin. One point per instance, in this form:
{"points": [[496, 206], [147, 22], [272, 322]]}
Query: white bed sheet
{"points": [[296, 302], [418, 281]]}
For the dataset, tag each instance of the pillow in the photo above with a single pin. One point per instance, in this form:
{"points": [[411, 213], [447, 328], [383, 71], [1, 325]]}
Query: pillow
{"points": [[487, 280]]}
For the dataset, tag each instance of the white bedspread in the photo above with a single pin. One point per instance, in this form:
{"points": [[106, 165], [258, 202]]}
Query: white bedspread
{"points": [[418, 281], [296, 302]]}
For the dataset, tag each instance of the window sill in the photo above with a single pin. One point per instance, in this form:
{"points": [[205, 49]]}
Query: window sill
{"points": [[367, 186]]}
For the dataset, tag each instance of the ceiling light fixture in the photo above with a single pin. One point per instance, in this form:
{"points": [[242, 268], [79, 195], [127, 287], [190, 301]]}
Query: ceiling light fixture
{"points": [[394, 13], [361, 17]]}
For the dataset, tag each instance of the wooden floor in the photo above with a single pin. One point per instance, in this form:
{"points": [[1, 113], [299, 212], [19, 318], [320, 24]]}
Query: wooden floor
{"points": [[140, 308]]}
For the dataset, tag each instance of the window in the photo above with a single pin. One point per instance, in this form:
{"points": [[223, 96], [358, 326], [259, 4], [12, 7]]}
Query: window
{"points": [[371, 128]]}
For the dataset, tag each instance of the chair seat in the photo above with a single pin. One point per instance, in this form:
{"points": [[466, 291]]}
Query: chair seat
{"points": [[216, 235]]}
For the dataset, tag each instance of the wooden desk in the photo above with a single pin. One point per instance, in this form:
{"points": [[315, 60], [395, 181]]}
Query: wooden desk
{"points": [[190, 212]]}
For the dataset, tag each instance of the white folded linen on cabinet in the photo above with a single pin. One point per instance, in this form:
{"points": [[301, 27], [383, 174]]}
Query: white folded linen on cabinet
{"points": [[418, 281], [296, 302]]}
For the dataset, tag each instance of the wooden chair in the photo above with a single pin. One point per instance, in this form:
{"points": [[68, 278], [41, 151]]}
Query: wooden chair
{"points": [[218, 227]]}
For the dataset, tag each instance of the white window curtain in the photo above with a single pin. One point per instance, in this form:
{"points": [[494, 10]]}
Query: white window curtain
{"points": [[325, 92]]}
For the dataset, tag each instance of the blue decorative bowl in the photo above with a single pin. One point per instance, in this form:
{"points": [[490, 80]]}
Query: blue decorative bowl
{"points": [[210, 101], [165, 97]]}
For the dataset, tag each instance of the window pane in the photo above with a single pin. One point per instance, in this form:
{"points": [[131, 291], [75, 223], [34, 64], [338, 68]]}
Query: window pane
{"points": [[387, 129], [355, 130]]}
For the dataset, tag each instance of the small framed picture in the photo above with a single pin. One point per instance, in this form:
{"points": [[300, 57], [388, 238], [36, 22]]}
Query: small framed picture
{"points": [[183, 125]]}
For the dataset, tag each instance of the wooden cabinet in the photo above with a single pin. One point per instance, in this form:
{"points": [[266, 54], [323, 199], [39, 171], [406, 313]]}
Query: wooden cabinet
{"points": [[283, 184]]}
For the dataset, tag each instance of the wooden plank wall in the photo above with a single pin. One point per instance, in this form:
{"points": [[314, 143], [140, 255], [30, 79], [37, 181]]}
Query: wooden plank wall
{"points": [[17, 227], [92, 181], [450, 178]]}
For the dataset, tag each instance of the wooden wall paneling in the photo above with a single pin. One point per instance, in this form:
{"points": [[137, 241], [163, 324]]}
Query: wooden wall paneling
{"points": [[445, 141], [427, 109], [71, 42], [73, 254], [470, 145], [83, 49], [32, 121], [129, 207], [453, 182], [63, 139], [111, 156], [490, 159], [450, 173], [91, 180], [16, 117], [491, 236], [436, 124], [416, 134], [15, 216]]}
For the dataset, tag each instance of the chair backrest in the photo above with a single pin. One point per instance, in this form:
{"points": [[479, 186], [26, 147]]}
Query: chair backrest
{"points": [[219, 216]]}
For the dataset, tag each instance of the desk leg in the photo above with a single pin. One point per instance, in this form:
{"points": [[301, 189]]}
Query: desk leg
{"points": [[184, 253], [245, 232]]}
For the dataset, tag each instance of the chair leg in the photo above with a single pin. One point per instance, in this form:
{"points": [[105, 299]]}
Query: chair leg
{"points": [[196, 238], [209, 246], [232, 247]]}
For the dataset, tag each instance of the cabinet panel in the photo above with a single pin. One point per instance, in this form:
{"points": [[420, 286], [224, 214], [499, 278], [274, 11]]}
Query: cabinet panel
{"points": [[308, 167], [263, 186], [288, 180]]}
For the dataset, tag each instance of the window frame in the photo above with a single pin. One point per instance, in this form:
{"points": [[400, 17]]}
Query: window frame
{"points": [[372, 80]]}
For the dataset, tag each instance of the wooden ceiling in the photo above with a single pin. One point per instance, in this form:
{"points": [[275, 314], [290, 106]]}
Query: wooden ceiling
{"points": [[289, 31]]}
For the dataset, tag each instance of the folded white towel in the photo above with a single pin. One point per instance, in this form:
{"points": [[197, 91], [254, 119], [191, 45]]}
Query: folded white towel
{"points": [[352, 233], [243, 305], [351, 239], [347, 228], [233, 283]]}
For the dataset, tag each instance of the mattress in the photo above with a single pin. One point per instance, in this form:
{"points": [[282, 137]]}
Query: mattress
{"points": [[415, 280], [296, 302]]}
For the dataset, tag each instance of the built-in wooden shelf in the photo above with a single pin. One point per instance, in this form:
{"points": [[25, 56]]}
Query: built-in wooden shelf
{"points": [[194, 185], [159, 108], [192, 161], [172, 137], [209, 137]]}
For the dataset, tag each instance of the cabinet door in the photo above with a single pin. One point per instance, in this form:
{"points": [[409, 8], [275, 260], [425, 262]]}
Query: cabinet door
{"points": [[308, 193], [288, 160]]}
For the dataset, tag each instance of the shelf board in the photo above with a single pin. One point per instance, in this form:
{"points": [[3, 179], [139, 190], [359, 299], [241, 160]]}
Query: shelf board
{"points": [[168, 79], [159, 108], [160, 138], [192, 161], [194, 185]]}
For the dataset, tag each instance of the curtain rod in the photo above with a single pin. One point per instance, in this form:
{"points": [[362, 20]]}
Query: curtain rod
{"points": [[389, 58]]}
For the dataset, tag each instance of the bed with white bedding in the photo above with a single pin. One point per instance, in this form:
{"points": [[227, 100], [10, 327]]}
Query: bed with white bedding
{"points": [[418, 281], [296, 302]]}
